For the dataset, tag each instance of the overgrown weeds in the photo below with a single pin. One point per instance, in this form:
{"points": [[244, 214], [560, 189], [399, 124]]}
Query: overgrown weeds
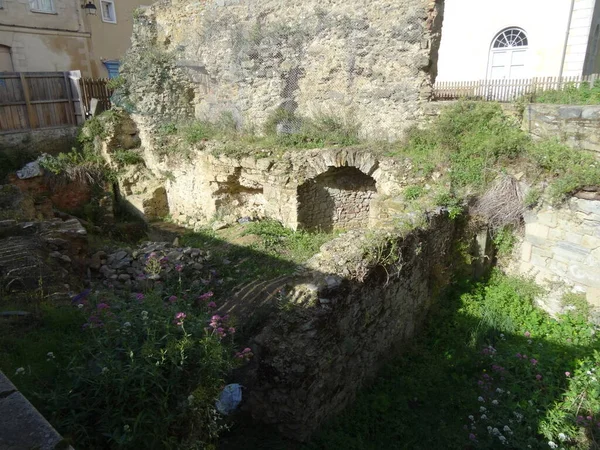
{"points": [[570, 94], [476, 143]]}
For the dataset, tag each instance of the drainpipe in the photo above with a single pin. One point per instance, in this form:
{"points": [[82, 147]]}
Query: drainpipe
{"points": [[564, 55]]}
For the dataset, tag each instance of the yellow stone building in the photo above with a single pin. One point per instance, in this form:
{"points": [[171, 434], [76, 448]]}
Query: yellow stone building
{"points": [[62, 35]]}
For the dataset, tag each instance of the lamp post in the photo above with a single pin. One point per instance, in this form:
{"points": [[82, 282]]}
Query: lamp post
{"points": [[90, 8]]}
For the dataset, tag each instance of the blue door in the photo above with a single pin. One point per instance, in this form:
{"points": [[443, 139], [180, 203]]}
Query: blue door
{"points": [[113, 68]]}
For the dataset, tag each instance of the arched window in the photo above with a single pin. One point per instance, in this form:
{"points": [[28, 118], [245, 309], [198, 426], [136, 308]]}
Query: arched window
{"points": [[512, 37], [508, 55]]}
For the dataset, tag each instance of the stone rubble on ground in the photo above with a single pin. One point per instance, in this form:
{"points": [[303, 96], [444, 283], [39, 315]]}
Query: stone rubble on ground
{"points": [[125, 269]]}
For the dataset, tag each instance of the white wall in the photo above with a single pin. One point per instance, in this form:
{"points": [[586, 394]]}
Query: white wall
{"points": [[577, 45], [471, 25]]}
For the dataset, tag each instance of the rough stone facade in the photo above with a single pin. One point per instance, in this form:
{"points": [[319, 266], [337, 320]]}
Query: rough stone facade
{"points": [[205, 187], [577, 126], [562, 246], [371, 62], [340, 321], [339, 198]]}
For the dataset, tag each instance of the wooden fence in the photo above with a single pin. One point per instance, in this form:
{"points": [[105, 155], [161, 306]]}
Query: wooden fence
{"points": [[505, 90], [95, 88]]}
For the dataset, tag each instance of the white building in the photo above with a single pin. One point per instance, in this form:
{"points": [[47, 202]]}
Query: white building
{"points": [[498, 39]]}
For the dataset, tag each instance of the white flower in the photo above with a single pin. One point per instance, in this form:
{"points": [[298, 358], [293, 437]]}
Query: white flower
{"points": [[552, 444], [471, 418], [562, 436], [499, 391], [20, 371], [483, 417], [502, 438], [126, 428], [480, 399], [489, 428], [104, 369], [50, 355], [144, 315], [507, 429], [127, 324], [589, 373], [190, 399], [529, 341], [482, 409], [494, 402], [495, 431], [80, 305]]}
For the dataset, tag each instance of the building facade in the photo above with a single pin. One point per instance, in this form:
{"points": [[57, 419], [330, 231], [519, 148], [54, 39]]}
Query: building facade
{"points": [[513, 39], [60, 35]]}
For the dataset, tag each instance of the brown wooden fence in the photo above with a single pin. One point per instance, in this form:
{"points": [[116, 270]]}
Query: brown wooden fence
{"points": [[33, 100], [505, 90], [95, 88]]}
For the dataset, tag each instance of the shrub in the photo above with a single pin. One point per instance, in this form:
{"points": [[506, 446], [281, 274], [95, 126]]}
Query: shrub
{"points": [[127, 157], [413, 192]]}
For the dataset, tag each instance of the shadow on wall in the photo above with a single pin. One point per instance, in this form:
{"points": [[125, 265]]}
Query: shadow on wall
{"points": [[339, 198]]}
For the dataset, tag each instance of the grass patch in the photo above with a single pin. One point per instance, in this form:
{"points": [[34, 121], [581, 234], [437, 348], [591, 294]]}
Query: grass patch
{"points": [[585, 94]]}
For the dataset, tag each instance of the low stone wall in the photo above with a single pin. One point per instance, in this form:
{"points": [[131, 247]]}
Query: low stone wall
{"points": [[577, 126], [562, 246], [21, 425], [35, 142], [337, 324]]}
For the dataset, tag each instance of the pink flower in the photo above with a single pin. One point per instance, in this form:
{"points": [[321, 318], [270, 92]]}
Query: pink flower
{"points": [[533, 361], [538, 377], [568, 374], [231, 330], [139, 296], [172, 299], [247, 350], [212, 305], [180, 315], [206, 295], [178, 267], [527, 334], [215, 318], [518, 355], [102, 306]]}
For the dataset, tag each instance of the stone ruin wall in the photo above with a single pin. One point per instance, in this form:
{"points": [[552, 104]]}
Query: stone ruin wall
{"points": [[561, 248], [344, 319], [325, 188], [372, 62], [339, 198]]}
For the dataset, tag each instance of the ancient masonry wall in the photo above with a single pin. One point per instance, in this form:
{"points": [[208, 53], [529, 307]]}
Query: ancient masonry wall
{"points": [[339, 198], [368, 61], [562, 246], [577, 126], [326, 188], [344, 319]]}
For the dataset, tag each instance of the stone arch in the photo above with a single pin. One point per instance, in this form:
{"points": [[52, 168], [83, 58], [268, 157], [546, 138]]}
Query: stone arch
{"points": [[339, 198]]}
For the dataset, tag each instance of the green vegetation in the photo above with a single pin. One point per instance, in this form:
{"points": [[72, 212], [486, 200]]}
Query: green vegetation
{"points": [[227, 138], [126, 157], [570, 95], [127, 371], [257, 250], [477, 142]]}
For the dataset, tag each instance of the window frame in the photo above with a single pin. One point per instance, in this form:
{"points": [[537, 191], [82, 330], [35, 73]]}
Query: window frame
{"points": [[42, 11], [114, 11], [508, 33]]}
